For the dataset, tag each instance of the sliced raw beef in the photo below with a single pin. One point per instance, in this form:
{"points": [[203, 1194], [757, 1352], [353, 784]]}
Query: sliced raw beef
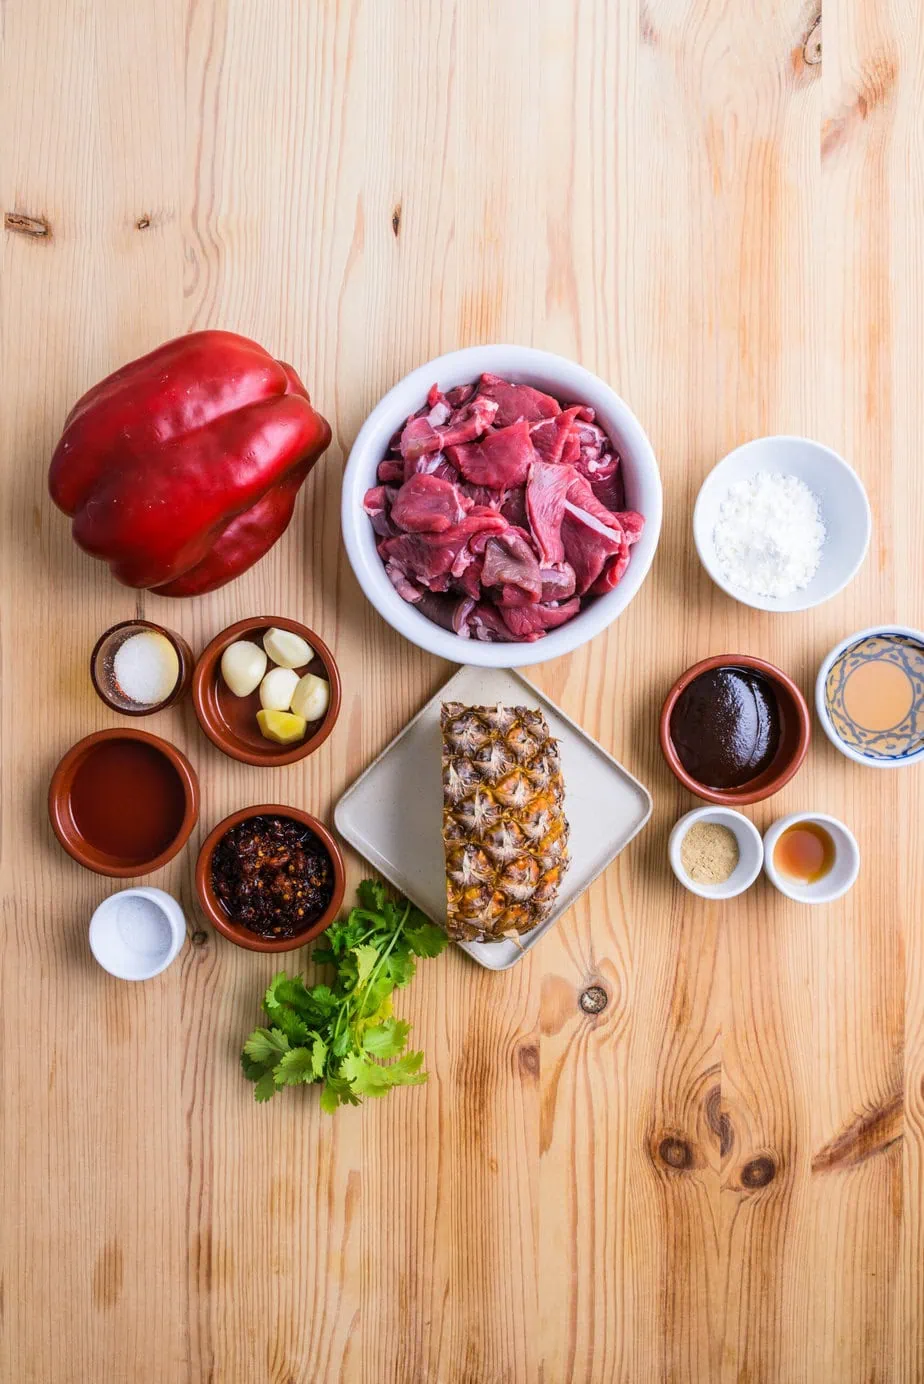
{"points": [[513, 507], [391, 470], [487, 624], [465, 424], [377, 504], [588, 544], [426, 504], [558, 583], [402, 583], [550, 436], [451, 612], [500, 460], [497, 512], [531, 622], [515, 401], [546, 492], [510, 561]]}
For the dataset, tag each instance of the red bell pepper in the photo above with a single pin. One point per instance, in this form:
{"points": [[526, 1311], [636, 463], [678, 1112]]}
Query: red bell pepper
{"points": [[182, 469]]}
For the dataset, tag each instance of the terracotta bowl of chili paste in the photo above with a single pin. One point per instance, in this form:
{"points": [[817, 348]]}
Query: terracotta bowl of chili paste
{"points": [[123, 802], [270, 878], [230, 722], [734, 729]]}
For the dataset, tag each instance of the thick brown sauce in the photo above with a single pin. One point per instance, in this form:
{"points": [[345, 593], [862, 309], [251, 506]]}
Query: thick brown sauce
{"points": [[726, 727], [127, 800]]}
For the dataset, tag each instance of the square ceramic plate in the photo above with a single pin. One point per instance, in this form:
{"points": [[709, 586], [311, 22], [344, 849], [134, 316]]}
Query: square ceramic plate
{"points": [[393, 813]]}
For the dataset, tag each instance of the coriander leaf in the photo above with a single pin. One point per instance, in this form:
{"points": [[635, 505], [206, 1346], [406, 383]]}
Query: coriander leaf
{"points": [[265, 1088], [294, 1067], [387, 1039], [266, 1045], [366, 1078], [371, 894], [318, 1055], [254, 1070], [406, 1071], [366, 957], [329, 1098], [426, 938], [399, 965], [337, 1090]]}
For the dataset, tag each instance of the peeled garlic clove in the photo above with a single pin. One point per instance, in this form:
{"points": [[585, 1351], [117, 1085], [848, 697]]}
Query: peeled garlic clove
{"points": [[277, 689], [311, 697], [281, 726], [242, 666], [287, 649]]}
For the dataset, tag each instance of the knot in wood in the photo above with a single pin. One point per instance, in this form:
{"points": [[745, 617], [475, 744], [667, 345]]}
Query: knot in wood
{"points": [[199, 939], [676, 1153], [811, 50], [528, 1058], [594, 999], [758, 1173]]}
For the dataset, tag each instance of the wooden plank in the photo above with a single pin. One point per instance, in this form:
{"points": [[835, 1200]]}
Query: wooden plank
{"points": [[718, 1176]]}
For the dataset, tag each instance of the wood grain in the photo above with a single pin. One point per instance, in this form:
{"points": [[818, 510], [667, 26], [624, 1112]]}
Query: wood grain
{"points": [[718, 1176]]}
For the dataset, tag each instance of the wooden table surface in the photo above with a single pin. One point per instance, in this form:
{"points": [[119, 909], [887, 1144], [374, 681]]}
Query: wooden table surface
{"points": [[717, 1178]]}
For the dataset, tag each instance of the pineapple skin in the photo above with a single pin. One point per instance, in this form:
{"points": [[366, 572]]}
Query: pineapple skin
{"points": [[504, 828]]}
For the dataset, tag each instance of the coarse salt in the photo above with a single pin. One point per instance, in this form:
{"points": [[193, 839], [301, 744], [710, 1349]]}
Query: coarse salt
{"points": [[146, 667], [769, 535]]}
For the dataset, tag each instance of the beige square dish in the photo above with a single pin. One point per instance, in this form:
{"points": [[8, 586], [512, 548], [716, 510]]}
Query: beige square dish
{"points": [[392, 814]]}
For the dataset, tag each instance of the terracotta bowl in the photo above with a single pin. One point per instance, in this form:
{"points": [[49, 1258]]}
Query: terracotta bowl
{"points": [[231, 722], [92, 856], [236, 932], [794, 738]]}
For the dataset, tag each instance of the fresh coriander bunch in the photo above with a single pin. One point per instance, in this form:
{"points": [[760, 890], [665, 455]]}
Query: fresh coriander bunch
{"points": [[344, 1034]]}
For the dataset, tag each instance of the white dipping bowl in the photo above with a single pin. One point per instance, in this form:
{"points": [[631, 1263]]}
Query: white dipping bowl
{"points": [[750, 852], [844, 510], [843, 873], [136, 933], [821, 700], [568, 382]]}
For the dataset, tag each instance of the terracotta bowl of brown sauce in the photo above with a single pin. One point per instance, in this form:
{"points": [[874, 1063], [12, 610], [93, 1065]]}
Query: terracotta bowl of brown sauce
{"points": [[734, 729], [270, 878], [230, 722], [123, 802]]}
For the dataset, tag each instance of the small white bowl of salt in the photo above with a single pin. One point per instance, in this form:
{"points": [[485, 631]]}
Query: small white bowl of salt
{"points": [[782, 523], [136, 933]]}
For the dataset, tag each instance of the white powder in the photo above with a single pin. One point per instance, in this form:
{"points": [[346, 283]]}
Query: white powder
{"points": [[146, 668], [769, 535]]}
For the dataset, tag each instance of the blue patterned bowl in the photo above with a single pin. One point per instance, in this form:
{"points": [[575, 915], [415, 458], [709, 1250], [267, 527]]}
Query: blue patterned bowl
{"points": [[892, 747]]}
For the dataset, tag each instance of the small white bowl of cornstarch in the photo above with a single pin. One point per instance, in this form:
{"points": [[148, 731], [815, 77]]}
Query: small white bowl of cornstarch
{"points": [[782, 523], [716, 852]]}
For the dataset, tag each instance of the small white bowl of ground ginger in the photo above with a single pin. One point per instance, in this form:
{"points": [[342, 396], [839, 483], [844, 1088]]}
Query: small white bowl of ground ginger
{"points": [[716, 852]]}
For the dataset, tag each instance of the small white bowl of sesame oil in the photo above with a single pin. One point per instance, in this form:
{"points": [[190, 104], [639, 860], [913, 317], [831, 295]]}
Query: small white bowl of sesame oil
{"points": [[811, 857]]}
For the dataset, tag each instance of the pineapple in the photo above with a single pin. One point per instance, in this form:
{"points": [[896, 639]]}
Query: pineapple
{"points": [[504, 828]]}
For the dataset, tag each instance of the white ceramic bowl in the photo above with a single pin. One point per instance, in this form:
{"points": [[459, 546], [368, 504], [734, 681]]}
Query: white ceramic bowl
{"points": [[569, 382], [750, 852], [136, 933], [843, 873], [821, 704], [844, 510]]}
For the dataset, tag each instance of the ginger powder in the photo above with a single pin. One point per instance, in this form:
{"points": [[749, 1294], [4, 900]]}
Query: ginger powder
{"points": [[709, 852]]}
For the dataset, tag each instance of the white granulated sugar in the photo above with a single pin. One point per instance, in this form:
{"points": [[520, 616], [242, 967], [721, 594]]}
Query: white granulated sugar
{"points": [[769, 535]]}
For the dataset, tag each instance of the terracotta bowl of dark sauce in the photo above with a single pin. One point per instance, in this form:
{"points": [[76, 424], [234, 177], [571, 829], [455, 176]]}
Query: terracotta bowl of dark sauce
{"points": [[123, 802], [230, 722], [734, 729], [270, 878]]}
